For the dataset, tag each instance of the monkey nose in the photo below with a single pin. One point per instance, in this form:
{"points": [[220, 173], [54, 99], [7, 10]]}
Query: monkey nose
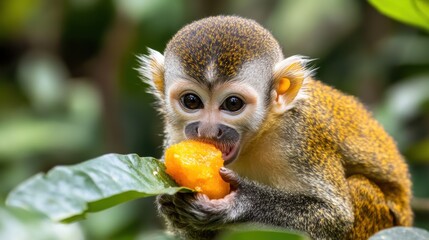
{"points": [[210, 132], [219, 133], [197, 132], [200, 130]]}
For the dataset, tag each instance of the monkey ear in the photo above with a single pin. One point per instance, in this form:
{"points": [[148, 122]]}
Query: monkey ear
{"points": [[152, 71], [289, 76]]}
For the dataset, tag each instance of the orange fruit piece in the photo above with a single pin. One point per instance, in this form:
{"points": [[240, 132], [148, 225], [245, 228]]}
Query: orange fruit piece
{"points": [[196, 165]]}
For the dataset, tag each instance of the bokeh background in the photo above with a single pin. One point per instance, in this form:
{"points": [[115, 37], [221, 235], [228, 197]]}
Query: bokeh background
{"points": [[69, 89]]}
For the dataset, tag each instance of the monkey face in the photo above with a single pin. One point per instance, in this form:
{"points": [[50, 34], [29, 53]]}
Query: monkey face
{"points": [[223, 113], [217, 81]]}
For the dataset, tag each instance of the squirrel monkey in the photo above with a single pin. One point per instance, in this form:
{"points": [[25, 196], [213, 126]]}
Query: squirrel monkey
{"points": [[298, 153]]}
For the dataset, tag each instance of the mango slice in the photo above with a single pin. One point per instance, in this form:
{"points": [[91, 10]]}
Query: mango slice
{"points": [[196, 165]]}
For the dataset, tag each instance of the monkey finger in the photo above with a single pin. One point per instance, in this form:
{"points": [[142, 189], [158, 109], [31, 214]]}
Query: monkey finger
{"points": [[183, 201], [167, 209], [178, 221], [165, 198], [181, 225], [191, 208], [165, 204], [191, 215], [230, 177]]}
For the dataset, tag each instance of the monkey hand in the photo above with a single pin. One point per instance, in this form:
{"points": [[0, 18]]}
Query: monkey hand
{"points": [[197, 214]]}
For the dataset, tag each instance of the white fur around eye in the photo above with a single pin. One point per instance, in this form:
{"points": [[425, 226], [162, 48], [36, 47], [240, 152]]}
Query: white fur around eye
{"points": [[176, 91]]}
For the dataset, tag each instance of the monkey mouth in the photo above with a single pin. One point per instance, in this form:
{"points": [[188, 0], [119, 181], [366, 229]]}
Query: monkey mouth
{"points": [[229, 151]]}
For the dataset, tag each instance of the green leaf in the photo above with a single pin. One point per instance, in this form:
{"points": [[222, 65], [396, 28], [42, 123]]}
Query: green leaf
{"points": [[413, 12], [262, 233], [156, 235], [67, 193]]}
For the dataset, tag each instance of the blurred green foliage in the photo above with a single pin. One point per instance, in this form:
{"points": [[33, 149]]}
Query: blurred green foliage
{"points": [[69, 90], [414, 12]]}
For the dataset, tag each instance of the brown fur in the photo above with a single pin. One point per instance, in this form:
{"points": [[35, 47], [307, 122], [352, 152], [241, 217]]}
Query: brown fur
{"points": [[365, 148], [246, 40], [318, 162], [332, 139]]}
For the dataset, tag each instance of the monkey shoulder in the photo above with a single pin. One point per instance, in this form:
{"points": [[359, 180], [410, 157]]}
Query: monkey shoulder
{"points": [[340, 123]]}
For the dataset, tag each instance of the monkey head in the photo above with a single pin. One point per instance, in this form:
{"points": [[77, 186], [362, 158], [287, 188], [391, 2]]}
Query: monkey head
{"points": [[218, 80]]}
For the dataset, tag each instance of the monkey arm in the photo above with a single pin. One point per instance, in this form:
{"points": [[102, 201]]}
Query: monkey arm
{"points": [[249, 201], [319, 217]]}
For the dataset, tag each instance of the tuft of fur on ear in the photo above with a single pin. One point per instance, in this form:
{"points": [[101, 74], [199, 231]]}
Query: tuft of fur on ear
{"points": [[152, 73], [285, 67], [289, 77]]}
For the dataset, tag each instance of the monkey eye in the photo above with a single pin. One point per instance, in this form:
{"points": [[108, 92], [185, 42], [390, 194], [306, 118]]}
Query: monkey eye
{"points": [[232, 104], [191, 101]]}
